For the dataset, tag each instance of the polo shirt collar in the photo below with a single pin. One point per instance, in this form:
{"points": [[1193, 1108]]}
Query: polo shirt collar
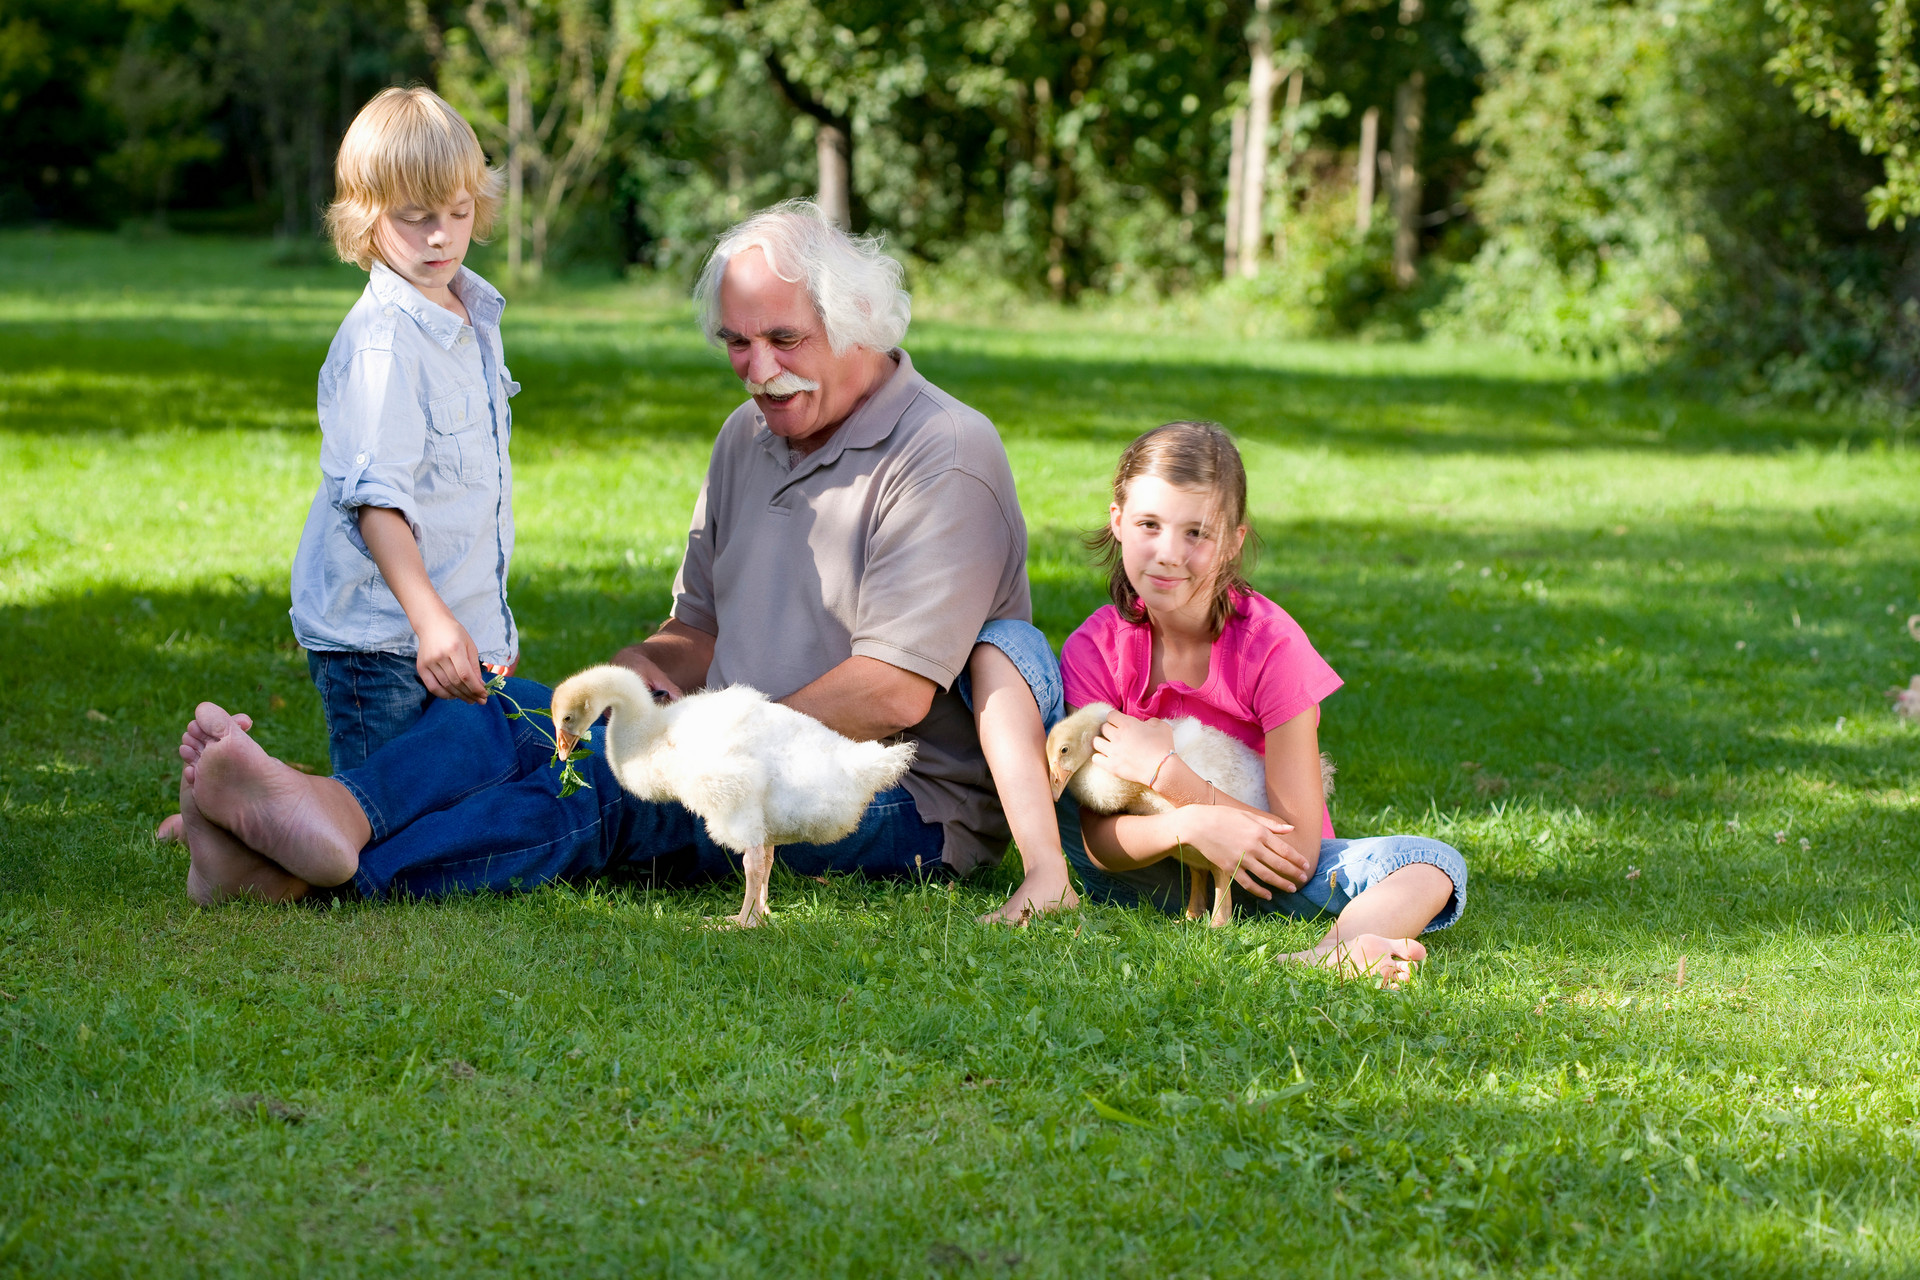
{"points": [[867, 426], [482, 300]]}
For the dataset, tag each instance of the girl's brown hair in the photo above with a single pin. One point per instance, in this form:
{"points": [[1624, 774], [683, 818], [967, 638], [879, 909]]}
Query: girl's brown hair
{"points": [[1189, 455]]}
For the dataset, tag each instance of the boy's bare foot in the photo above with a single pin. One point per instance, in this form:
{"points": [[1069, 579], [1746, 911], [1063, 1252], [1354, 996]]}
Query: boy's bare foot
{"points": [[221, 867], [1041, 893], [172, 830], [1366, 955], [312, 827]]}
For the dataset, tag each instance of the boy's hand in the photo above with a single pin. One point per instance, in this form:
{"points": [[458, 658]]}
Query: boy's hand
{"points": [[1132, 749], [449, 662], [1246, 843]]}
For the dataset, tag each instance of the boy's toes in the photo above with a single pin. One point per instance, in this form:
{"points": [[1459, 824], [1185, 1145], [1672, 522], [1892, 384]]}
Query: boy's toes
{"points": [[172, 830]]}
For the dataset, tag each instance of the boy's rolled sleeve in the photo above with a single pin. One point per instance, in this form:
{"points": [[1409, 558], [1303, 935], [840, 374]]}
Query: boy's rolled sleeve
{"points": [[373, 436], [934, 572]]}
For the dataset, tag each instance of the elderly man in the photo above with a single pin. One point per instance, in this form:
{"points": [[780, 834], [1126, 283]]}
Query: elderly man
{"points": [[857, 529]]}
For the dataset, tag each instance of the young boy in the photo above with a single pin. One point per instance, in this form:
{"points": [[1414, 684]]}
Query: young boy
{"points": [[400, 581]]}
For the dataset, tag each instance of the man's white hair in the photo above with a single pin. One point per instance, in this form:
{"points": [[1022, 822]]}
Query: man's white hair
{"points": [[852, 282]]}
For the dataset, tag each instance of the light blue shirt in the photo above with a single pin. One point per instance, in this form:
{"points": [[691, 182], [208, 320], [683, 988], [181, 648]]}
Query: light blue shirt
{"points": [[414, 416]]}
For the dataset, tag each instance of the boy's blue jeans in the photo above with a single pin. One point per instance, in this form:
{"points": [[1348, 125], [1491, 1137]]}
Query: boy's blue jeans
{"points": [[465, 801], [369, 699]]}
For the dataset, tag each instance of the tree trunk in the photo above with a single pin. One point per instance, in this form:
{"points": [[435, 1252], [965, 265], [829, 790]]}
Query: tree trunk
{"points": [[1253, 171], [833, 152], [518, 127], [1369, 169], [1409, 107], [1289, 128], [1236, 170]]}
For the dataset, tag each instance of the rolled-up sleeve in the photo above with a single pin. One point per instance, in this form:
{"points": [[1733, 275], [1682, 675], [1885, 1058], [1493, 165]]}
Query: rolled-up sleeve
{"points": [[373, 436], [935, 564], [693, 600]]}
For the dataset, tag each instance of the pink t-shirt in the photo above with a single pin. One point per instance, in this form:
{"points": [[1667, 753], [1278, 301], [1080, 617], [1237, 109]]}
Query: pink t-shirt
{"points": [[1263, 672]]}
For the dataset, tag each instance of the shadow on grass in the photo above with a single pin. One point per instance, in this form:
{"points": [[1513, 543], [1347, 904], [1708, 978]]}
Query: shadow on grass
{"points": [[595, 384]]}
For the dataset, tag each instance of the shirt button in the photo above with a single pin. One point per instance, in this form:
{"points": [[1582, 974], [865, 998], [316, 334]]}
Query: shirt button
{"points": [[466, 336], [360, 459], [386, 311]]}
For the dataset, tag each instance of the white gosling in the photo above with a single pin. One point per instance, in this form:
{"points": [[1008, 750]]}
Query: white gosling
{"points": [[759, 774], [1223, 760]]}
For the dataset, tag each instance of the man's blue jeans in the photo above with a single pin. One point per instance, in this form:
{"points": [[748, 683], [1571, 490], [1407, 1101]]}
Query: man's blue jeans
{"points": [[465, 801]]}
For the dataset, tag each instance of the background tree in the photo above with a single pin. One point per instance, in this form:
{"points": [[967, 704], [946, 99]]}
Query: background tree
{"points": [[1817, 59], [539, 78]]}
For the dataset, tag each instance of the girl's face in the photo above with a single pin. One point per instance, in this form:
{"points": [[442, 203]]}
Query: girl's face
{"points": [[1166, 546]]}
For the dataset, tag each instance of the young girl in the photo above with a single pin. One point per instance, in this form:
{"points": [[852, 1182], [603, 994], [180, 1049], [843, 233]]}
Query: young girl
{"points": [[400, 581], [1187, 636]]}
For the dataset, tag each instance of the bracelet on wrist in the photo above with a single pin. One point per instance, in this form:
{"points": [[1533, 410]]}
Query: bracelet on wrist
{"points": [[1153, 782]]}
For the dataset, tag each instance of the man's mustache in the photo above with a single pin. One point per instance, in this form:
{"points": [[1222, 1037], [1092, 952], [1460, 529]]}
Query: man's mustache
{"points": [[780, 385]]}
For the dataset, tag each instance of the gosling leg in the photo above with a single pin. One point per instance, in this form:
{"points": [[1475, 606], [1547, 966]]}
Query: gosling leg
{"points": [[1197, 896], [758, 865], [1222, 899]]}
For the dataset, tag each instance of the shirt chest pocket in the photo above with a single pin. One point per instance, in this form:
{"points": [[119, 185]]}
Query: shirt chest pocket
{"points": [[459, 446]]}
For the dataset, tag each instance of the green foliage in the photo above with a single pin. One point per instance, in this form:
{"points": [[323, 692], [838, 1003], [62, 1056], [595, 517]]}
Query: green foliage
{"points": [[1577, 623], [1815, 58], [1650, 192]]}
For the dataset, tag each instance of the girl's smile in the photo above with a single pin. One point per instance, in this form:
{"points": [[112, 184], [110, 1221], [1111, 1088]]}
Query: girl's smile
{"points": [[1167, 545]]}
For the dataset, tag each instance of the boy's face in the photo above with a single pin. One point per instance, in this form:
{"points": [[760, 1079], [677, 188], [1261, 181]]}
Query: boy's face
{"points": [[426, 246]]}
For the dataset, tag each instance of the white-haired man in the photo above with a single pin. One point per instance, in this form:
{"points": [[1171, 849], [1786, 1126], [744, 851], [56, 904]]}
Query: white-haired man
{"points": [[857, 531]]}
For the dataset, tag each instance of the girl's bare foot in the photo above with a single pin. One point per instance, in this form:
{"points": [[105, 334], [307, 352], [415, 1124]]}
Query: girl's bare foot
{"points": [[1366, 955], [312, 827], [1043, 891], [221, 867]]}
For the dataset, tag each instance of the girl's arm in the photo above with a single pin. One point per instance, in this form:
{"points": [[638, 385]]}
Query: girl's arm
{"points": [[448, 662], [1283, 854]]}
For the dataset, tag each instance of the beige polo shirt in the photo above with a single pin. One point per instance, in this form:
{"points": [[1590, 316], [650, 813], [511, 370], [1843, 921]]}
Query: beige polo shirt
{"points": [[898, 539]]}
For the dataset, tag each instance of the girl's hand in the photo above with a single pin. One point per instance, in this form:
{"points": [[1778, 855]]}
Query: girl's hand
{"points": [[1247, 844], [1132, 749], [449, 662]]}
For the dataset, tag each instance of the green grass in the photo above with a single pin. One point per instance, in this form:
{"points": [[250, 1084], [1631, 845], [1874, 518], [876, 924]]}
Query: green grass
{"points": [[1607, 642]]}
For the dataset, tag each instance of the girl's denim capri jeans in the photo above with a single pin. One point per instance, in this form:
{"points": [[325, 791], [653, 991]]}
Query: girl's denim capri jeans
{"points": [[1347, 868]]}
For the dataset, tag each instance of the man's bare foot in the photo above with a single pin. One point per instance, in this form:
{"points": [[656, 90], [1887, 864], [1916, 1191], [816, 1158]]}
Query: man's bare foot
{"points": [[172, 830], [1042, 892], [1366, 954], [195, 740], [312, 827], [221, 867]]}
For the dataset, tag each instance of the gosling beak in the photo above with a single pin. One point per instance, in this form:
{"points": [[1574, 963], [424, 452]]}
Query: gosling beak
{"points": [[1059, 782], [564, 743]]}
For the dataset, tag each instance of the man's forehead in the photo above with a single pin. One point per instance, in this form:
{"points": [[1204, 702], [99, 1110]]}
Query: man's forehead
{"points": [[754, 302]]}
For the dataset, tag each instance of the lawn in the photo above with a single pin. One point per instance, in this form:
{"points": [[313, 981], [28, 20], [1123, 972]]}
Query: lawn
{"points": [[1627, 650]]}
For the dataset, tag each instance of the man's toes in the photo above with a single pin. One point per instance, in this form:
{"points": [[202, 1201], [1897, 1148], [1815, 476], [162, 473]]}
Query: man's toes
{"points": [[213, 721]]}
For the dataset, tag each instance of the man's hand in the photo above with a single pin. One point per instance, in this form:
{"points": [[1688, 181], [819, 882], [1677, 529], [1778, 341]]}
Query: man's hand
{"points": [[449, 662], [1249, 845], [672, 660], [1132, 749], [635, 659]]}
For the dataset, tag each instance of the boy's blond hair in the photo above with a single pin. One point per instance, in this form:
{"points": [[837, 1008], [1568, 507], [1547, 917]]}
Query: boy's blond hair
{"points": [[406, 147]]}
